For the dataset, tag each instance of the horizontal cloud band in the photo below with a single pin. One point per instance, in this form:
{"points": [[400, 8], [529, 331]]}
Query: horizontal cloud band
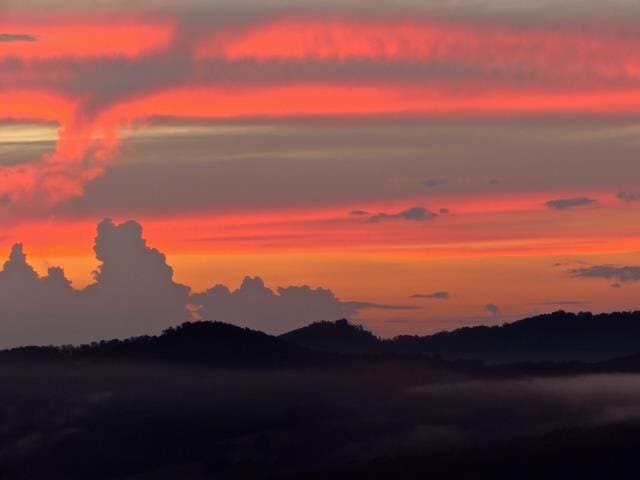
{"points": [[158, 68], [492, 46]]}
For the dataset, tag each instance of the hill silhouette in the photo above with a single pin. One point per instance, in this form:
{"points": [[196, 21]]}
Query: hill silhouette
{"points": [[340, 336], [210, 400], [166, 407], [554, 337], [558, 337], [202, 342]]}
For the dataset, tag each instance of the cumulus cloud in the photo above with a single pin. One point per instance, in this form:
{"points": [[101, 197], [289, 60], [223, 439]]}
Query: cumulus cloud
{"points": [[567, 203], [17, 37], [493, 309], [629, 196], [435, 295], [359, 213], [133, 294], [33, 308], [256, 306], [620, 274], [417, 214], [134, 291]]}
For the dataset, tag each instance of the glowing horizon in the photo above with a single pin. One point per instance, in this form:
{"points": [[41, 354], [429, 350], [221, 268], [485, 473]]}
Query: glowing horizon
{"points": [[294, 144]]}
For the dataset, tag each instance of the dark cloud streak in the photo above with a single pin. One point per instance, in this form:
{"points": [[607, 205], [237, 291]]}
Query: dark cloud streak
{"points": [[17, 37], [621, 274], [440, 295], [629, 197], [560, 303], [416, 214], [567, 203]]}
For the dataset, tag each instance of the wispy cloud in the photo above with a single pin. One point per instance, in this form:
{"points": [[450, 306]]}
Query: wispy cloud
{"points": [[560, 303], [629, 196], [359, 213], [440, 295], [380, 306], [567, 203], [17, 37], [621, 274]]}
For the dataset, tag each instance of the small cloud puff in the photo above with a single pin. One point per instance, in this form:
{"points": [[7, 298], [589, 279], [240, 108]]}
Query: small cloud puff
{"points": [[416, 214]]}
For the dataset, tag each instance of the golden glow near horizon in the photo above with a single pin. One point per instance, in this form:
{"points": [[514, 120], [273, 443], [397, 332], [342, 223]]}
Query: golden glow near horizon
{"points": [[380, 156]]}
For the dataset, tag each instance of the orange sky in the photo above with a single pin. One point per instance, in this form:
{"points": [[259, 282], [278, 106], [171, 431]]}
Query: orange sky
{"points": [[461, 209]]}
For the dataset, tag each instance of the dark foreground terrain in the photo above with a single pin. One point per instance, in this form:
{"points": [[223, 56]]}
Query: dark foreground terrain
{"points": [[212, 401]]}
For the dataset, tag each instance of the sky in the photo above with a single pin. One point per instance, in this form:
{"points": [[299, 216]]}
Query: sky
{"points": [[415, 166]]}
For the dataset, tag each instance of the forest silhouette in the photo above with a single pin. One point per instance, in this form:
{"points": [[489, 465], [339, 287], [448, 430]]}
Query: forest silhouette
{"points": [[209, 400]]}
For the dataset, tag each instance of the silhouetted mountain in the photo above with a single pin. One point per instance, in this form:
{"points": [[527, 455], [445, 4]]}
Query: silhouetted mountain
{"points": [[165, 407], [336, 337], [558, 336], [210, 343], [554, 337]]}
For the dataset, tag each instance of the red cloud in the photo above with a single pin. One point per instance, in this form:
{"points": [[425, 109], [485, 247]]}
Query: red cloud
{"points": [[340, 100], [80, 155], [547, 51], [86, 145], [85, 38], [88, 137]]}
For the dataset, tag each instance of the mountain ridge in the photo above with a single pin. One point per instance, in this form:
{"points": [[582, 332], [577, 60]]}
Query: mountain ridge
{"points": [[556, 337]]}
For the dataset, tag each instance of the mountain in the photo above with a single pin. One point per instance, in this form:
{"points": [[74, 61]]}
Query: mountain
{"points": [[558, 336], [335, 337], [554, 337], [203, 342], [345, 404]]}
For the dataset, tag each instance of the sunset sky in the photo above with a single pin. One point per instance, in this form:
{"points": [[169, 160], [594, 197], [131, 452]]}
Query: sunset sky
{"points": [[439, 163]]}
